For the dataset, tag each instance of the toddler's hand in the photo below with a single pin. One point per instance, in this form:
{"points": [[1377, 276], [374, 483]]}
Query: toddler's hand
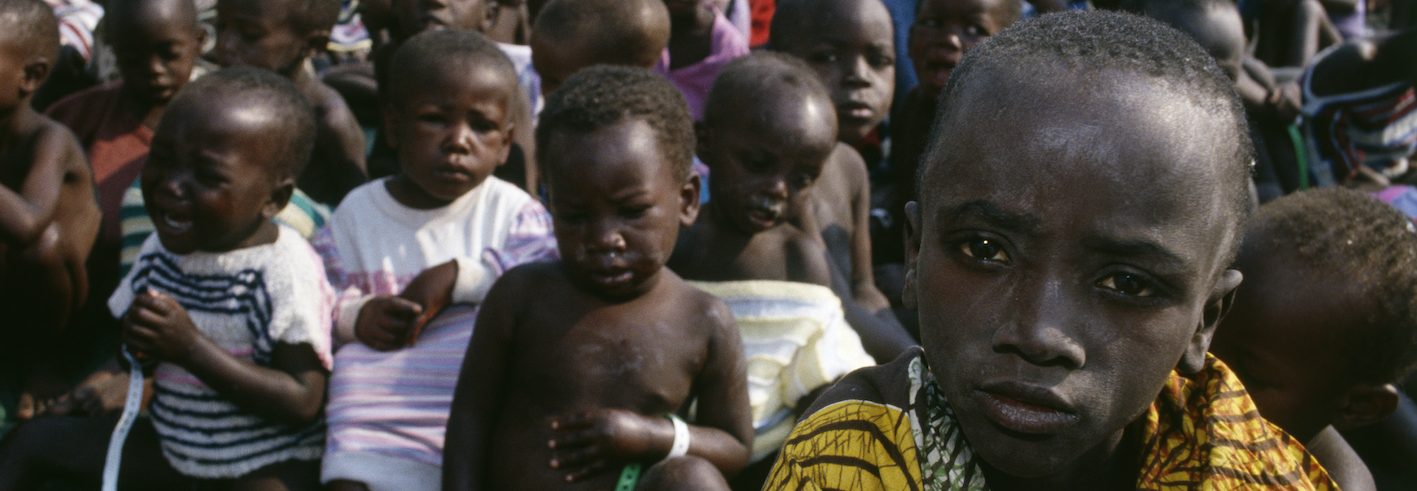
{"points": [[386, 323], [159, 328], [433, 290], [583, 445]]}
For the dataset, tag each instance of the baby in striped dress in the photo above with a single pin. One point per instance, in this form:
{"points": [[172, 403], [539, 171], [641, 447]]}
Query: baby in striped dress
{"points": [[233, 309]]}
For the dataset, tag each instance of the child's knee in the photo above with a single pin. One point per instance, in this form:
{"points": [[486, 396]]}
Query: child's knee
{"points": [[680, 473]]}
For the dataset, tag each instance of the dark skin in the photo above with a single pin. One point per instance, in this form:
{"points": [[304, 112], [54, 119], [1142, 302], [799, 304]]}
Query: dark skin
{"points": [[264, 34], [213, 184], [850, 45], [48, 222], [628, 342], [1291, 339], [450, 135], [415, 16], [1290, 32], [691, 31], [156, 44], [1051, 318], [841, 207]]}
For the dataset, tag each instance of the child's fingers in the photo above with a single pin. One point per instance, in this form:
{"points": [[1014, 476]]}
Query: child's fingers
{"points": [[587, 471], [572, 439], [404, 309], [571, 459], [573, 422]]}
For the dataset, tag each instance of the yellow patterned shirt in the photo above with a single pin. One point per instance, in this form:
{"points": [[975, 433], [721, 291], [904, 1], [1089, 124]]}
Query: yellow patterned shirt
{"points": [[1203, 432]]}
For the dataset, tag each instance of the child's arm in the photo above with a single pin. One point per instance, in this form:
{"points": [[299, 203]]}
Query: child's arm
{"points": [[477, 398], [291, 391], [589, 443], [863, 282], [1307, 23], [882, 335], [25, 214]]}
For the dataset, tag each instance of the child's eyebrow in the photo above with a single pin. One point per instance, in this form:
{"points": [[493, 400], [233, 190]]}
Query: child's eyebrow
{"points": [[992, 214]]}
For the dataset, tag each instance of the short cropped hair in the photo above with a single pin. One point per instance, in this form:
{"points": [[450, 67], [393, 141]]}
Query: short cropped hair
{"points": [[32, 24], [430, 52], [617, 32], [791, 16], [313, 15], [1097, 41], [605, 95], [756, 72], [1013, 10], [124, 12], [260, 87], [1373, 246]]}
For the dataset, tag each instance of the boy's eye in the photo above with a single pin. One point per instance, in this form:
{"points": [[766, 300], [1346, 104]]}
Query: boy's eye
{"points": [[974, 31], [635, 212], [823, 57], [987, 250], [801, 181], [881, 60], [933, 24], [1128, 284]]}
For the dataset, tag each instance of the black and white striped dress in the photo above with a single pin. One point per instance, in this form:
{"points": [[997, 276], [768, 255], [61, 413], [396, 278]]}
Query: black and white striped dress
{"points": [[246, 301]]}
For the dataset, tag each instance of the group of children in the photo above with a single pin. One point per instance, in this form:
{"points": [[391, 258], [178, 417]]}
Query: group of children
{"points": [[681, 286]]}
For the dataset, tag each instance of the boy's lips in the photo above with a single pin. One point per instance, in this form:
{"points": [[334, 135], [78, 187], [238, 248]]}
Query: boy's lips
{"points": [[174, 223], [1026, 409], [857, 110], [764, 217]]}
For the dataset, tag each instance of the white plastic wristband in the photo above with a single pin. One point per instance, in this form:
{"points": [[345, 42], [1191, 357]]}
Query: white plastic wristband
{"points": [[680, 447]]}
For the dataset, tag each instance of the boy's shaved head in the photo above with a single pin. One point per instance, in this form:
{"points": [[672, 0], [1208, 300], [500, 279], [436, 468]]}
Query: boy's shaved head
{"points": [[602, 96], [32, 25], [1091, 44], [793, 20], [253, 88], [762, 75], [424, 56], [619, 32], [1351, 235]]}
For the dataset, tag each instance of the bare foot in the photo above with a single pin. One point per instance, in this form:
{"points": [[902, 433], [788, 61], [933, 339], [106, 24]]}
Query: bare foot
{"points": [[40, 388]]}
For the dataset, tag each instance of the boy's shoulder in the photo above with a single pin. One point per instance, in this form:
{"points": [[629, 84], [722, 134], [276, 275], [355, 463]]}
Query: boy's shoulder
{"points": [[889, 383], [46, 139]]}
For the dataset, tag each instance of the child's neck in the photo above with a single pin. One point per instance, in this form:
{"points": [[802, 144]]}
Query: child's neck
{"points": [[146, 114]]}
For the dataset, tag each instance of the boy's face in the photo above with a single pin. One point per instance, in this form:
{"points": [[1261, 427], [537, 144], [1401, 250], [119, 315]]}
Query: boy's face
{"points": [[850, 46], [415, 16], [453, 131], [12, 73], [261, 34], [764, 165], [617, 206], [1064, 258], [155, 53], [1287, 339], [208, 182], [944, 30]]}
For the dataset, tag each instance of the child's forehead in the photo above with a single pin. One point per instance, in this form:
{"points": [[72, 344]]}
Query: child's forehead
{"points": [[940, 7], [839, 21], [278, 12]]}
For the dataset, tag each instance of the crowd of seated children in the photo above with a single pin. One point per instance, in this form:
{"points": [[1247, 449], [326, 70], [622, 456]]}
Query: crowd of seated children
{"points": [[1065, 333], [48, 217], [402, 248], [1325, 323], [631, 343], [230, 310], [1059, 228]]}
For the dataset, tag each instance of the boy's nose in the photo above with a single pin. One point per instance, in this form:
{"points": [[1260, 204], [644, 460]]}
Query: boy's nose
{"points": [[460, 139], [607, 239], [1041, 330], [857, 73]]}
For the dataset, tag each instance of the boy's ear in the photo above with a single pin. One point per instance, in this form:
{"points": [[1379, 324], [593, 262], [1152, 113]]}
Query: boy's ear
{"points": [[280, 196], [1217, 304], [34, 75], [1365, 404], [509, 138], [689, 200], [912, 253]]}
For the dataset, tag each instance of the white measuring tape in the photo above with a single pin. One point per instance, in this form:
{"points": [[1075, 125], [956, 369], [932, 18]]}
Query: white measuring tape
{"points": [[113, 461]]}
